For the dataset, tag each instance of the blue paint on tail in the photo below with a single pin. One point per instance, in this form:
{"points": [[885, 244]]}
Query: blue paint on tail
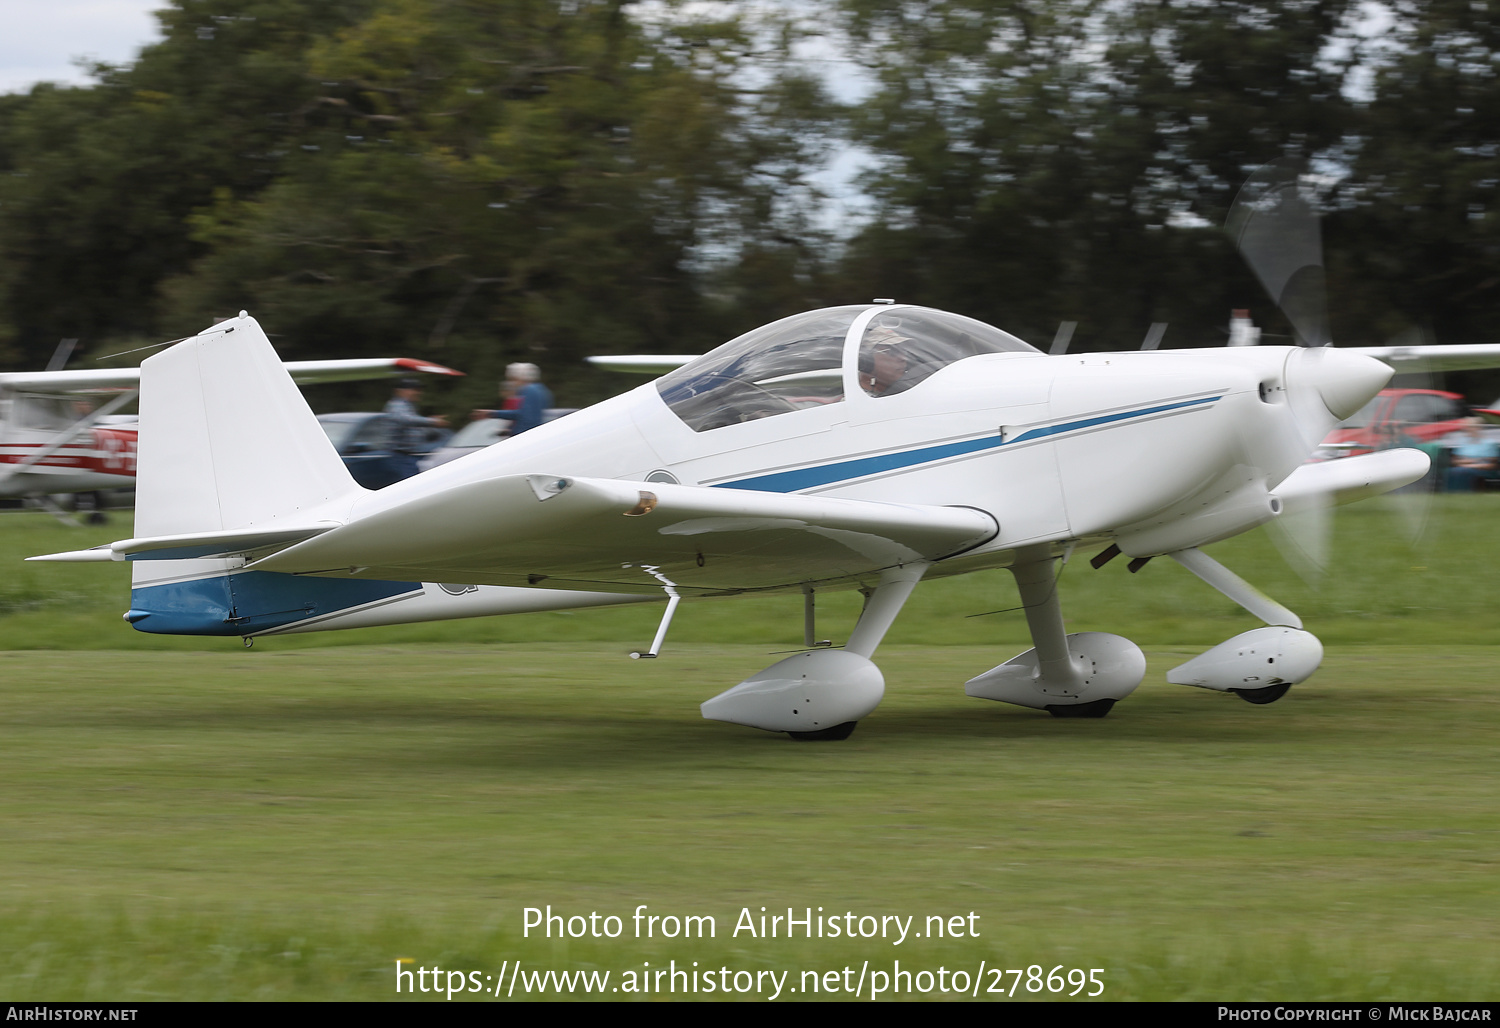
{"points": [[249, 601]]}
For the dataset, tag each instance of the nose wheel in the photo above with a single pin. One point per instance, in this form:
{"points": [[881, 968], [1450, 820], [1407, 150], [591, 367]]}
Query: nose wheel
{"points": [[833, 734], [1270, 694], [1098, 708]]}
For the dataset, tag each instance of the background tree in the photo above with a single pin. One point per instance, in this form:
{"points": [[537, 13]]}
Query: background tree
{"points": [[1420, 233], [477, 180], [482, 181], [97, 184], [512, 181], [1051, 160]]}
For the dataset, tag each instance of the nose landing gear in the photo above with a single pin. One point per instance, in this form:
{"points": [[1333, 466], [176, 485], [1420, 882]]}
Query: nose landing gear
{"points": [[1259, 666]]}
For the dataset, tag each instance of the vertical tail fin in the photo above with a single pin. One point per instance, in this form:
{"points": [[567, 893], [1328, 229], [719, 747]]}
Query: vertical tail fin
{"points": [[226, 438], [226, 442]]}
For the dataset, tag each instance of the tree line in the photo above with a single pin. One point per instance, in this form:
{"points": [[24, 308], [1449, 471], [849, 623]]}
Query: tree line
{"points": [[481, 181]]}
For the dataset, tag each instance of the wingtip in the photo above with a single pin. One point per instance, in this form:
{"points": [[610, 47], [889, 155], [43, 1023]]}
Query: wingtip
{"points": [[413, 364]]}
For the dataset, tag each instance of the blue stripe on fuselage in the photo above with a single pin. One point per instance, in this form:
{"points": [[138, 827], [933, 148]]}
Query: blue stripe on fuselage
{"points": [[824, 474]]}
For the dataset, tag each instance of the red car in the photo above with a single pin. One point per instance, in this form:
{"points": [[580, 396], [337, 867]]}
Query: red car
{"points": [[1396, 417]]}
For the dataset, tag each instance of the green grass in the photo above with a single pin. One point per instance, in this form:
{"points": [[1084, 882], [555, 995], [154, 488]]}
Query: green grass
{"points": [[203, 822]]}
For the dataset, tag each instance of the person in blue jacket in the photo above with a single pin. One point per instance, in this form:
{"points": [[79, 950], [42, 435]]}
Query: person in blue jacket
{"points": [[528, 399], [1473, 458]]}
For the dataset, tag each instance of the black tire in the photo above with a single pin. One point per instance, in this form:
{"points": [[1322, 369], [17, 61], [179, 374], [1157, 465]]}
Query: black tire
{"points": [[1270, 694], [835, 733], [1096, 708]]}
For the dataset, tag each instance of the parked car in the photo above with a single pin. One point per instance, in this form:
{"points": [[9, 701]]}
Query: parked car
{"points": [[363, 440], [476, 435], [1396, 416]]}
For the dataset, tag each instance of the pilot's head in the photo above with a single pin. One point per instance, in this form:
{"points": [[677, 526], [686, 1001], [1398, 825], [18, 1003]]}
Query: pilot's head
{"points": [[883, 360]]}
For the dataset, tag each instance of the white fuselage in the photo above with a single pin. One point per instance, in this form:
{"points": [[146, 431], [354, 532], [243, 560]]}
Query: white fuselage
{"points": [[1055, 447], [1156, 452]]}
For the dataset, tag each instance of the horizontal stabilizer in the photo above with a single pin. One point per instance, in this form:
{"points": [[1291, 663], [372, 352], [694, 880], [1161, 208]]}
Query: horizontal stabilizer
{"points": [[89, 556], [193, 545], [1351, 478], [567, 532]]}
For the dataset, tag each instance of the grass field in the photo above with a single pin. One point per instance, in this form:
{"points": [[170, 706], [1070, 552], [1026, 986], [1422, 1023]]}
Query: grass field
{"points": [[186, 819]]}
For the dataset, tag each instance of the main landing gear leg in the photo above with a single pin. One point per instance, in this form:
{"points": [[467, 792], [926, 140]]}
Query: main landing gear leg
{"points": [[822, 693], [1079, 675], [1258, 666]]}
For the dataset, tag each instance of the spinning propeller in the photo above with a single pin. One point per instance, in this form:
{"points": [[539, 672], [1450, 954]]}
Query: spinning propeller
{"points": [[1276, 226]]}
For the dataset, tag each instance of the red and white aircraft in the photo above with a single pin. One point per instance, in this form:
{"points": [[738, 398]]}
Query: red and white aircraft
{"points": [[60, 433]]}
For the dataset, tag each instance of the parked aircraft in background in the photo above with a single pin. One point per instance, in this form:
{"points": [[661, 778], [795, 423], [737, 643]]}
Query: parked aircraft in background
{"points": [[60, 433]]}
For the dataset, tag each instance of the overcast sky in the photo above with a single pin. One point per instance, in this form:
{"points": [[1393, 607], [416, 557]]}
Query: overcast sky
{"points": [[39, 39]]}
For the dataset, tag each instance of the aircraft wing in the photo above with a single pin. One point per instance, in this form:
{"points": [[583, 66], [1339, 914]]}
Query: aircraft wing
{"points": [[358, 369], [303, 372], [643, 363], [616, 536], [1408, 360]]}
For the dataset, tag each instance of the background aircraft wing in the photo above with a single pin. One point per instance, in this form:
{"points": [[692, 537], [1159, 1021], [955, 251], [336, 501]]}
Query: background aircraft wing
{"points": [[303, 372], [1408, 360], [306, 372], [643, 363], [631, 537]]}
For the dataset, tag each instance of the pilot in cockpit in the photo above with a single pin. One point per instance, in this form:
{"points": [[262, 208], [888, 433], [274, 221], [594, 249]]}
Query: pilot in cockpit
{"points": [[886, 365]]}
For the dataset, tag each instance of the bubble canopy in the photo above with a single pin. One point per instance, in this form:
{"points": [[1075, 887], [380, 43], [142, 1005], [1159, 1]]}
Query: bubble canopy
{"points": [[798, 362]]}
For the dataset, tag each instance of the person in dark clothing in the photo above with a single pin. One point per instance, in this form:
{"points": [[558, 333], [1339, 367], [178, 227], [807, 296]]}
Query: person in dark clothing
{"points": [[408, 428]]}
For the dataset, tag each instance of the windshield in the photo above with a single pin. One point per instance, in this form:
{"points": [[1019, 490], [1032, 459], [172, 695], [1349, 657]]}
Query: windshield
{"points": [[786, 366], [48, 412]]}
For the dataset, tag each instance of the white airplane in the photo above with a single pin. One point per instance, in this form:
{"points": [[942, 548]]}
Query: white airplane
{"points": [[54, 439], [860, 447]]}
